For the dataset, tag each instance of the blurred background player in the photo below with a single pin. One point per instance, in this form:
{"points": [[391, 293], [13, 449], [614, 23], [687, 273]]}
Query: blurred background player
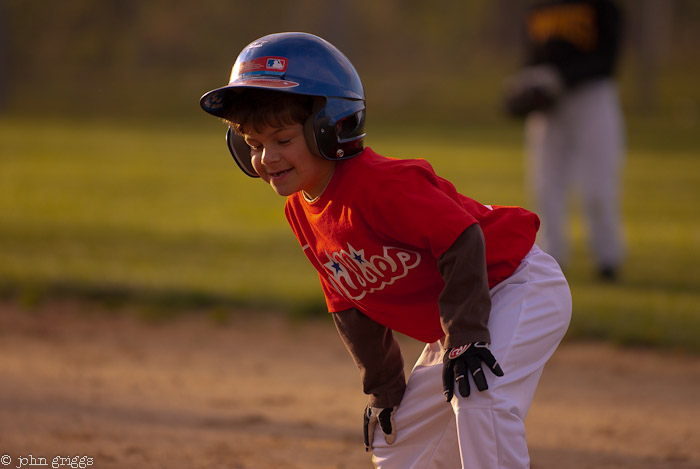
{"points": [[574, 129]]}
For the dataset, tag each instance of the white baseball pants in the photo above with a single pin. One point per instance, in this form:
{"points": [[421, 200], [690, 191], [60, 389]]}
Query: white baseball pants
{"points": [[579, 145], [530, 314]]}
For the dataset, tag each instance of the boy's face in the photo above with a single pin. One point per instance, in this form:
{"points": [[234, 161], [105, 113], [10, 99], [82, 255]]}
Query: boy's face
{"points": [[281, 158]]}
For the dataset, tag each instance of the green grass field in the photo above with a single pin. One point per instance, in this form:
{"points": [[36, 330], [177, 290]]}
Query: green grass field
{"points": [[161, 217]]}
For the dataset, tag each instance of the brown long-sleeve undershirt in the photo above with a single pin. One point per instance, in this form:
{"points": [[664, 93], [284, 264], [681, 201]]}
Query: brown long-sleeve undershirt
{"points": [[464, 303]]}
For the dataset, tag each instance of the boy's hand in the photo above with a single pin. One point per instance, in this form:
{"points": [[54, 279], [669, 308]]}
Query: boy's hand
{"points": [[458, 360], [385, 417]]}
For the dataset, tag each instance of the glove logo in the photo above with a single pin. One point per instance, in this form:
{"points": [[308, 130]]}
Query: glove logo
{"points": [[457, 351]]}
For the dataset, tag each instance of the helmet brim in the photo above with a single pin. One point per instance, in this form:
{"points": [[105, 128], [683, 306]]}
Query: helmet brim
{"points": [[217, 100]]}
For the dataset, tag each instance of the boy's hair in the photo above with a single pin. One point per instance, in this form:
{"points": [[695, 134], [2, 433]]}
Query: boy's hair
{"points": [[257, 108]]}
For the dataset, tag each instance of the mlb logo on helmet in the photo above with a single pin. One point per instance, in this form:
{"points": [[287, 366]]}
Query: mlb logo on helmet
{"points": [[264, 66], [277, 64]]}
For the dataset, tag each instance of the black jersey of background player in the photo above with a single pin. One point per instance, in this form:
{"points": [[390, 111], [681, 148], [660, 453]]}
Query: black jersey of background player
{"points": [[579, 37]]}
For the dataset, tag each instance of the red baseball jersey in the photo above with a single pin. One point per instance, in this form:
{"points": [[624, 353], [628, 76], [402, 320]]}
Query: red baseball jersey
{"points": [[376, 232]]}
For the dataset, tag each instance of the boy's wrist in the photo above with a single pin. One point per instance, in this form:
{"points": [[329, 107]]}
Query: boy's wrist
{"points": [[389, 399], [460, 338]]}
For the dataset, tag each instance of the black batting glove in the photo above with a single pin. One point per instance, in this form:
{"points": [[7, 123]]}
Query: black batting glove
{"points": [[457, 361], [385, 418]]}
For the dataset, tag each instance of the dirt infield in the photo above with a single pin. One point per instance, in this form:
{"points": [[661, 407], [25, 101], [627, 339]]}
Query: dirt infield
{"points": [[257, 392]]}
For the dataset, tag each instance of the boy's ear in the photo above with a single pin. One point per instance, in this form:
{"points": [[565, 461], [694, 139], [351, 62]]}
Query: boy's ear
{"points": [[240, 152], [309, 128]]}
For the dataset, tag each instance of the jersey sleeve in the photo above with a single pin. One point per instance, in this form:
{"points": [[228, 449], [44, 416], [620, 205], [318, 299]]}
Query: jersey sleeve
{"points": [[416, 207], [376, 353], [465, 301]]}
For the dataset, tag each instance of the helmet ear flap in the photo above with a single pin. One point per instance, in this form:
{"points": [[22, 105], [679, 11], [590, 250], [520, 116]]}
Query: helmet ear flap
{"points": [[336, 128], [241, 152], [310, 125]]}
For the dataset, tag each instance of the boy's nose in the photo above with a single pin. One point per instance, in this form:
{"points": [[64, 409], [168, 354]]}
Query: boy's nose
{"points": [[269, 156]]}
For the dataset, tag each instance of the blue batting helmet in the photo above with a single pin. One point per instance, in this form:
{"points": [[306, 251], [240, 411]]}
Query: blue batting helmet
{"points": [[303, 64]]}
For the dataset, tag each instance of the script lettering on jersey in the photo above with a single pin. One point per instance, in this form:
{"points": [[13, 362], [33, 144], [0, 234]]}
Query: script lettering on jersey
{"points": [[573, 23], [355, 275]]}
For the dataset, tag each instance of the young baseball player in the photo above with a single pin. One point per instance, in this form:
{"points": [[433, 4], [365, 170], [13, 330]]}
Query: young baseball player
{"points": [[397, 248]]}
